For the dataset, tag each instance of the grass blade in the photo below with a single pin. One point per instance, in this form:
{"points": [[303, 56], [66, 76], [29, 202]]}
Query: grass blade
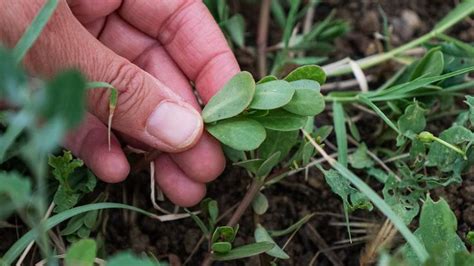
{"points": [[412, 240], [34, 30], [16, 249], [113, 98], [341, 133], [379, 112]]}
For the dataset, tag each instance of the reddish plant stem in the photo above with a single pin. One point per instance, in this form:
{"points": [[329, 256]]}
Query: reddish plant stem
{"points": [[262, 37]]}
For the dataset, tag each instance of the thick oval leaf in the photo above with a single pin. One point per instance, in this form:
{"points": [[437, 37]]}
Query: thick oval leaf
{"points": [[307, 99], [244, 251], [267, 79], [311, 72], [261, 235], [232, 99], [242, 134], [271, 95], [282, 120], [260, 204], [221, 247]]}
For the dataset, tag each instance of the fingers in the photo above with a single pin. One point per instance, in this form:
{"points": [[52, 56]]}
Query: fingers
{"points": [[146, 109], [205, 161], [190, 35], [176, 185], [89, 142]]}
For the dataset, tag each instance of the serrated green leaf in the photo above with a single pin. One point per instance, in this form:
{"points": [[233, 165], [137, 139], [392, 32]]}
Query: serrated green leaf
{"points": [[260, 204], [271, 95], [470, 101], [232, 99], [261, 235], [244, 251], [437, 232], [63, 166], [413, 121], [281, 120], [243, 134], [221, 247], [81, 253], [307, 100], [65, 199], [443, 157], [311, 72], [360, 159]]}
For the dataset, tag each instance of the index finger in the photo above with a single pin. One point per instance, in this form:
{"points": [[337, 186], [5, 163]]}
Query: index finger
{"points": [[191, 37]]}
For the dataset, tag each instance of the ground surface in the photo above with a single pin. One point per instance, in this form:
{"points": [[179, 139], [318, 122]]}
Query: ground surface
{"points": [[294, 197]]}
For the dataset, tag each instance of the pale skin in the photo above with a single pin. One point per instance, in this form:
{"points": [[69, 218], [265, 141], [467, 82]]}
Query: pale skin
{"points": [[150, 50]]}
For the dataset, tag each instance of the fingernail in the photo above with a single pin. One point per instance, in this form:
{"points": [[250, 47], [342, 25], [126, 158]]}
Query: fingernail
{"points": [[174, 124]]}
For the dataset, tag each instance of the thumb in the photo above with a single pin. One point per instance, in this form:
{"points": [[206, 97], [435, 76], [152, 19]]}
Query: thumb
{"points": [[146, 109]]}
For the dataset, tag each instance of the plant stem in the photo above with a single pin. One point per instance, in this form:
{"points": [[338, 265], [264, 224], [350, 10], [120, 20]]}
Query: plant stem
{"points": [[246, 201], [262, 37], [451, 146], [243, 205]]}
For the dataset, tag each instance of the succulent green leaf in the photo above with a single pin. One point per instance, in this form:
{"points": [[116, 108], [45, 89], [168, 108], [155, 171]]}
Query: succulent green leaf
{"points": [[242, 134], [311, 72], [260, 204], [261, 235], [282, 120], [81, 253], [267, 79], [277, 141], [221, 247], [271, 95], [307, 100], [232, 99]]}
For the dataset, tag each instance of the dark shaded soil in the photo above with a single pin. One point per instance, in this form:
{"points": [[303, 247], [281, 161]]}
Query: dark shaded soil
{"points": [[294, 197]]}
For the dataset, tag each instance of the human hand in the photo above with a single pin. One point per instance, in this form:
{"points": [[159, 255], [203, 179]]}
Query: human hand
{"points": [[149, 50]]}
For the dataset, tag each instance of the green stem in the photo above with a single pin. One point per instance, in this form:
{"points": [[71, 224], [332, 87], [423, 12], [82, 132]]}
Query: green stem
{"points": [[451, 146]]}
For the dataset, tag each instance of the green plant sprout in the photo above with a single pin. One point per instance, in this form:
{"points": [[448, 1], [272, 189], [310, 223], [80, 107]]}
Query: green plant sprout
{"points": [[428, 137]]}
